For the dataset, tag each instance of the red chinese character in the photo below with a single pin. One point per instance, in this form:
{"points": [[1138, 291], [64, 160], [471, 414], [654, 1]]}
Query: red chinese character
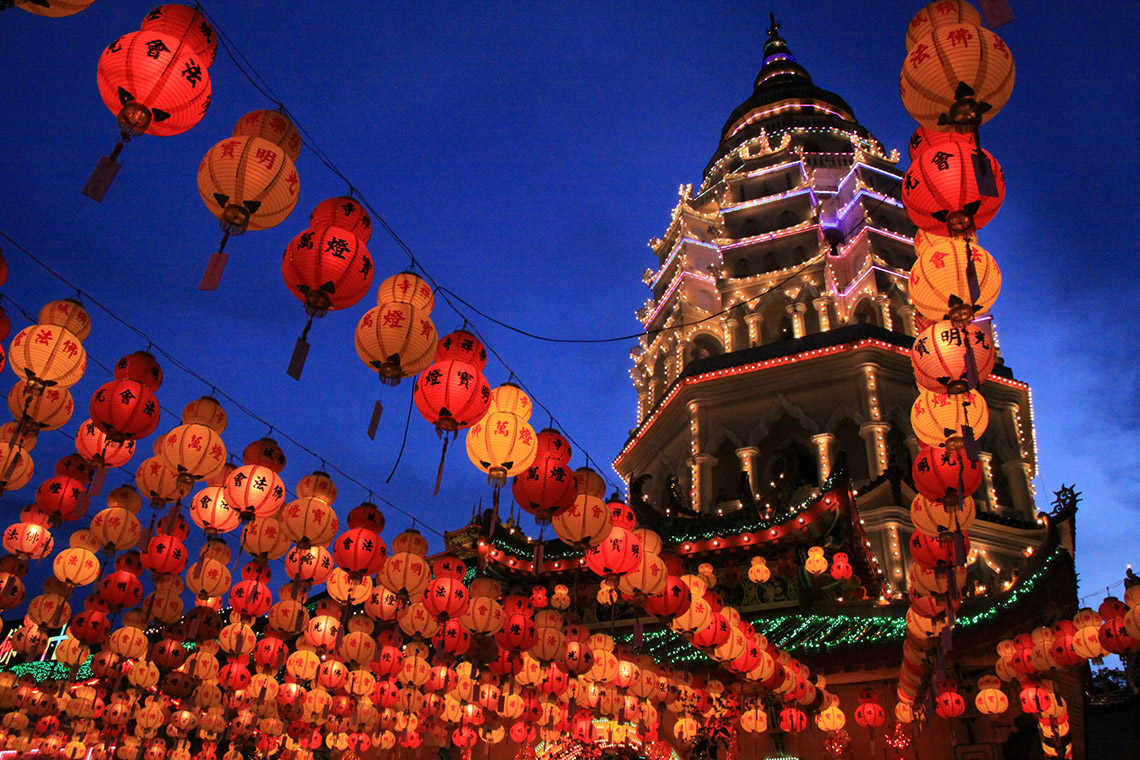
{"points": [[43, 337], [228, 148], [195, 442], [959, 35], [918, 55], [292, 182], [393, 318], [266, 156]]}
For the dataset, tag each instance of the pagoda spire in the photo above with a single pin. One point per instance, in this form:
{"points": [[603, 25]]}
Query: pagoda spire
{"points": [[778, 59]]}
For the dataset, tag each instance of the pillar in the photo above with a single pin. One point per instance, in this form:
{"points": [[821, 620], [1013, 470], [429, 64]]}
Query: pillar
{"points": [[700, 491], [823, 308], [824, 446], [989, 494], [748, 456], [681, 357], [875, 434], [871, 391], [907, 312], [884, 304], [754, 321], [728, 333], [797, 311], [1017, 474]]}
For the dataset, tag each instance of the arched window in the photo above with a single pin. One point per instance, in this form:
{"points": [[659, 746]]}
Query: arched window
{"points": [[786, 219], [749, 228], [741, 269], [726, 474], [786, 462], [704, 346], [772, 261], [865, 313]]}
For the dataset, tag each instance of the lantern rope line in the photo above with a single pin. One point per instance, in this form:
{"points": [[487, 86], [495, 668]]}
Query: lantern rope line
{"points": [[185, 368]]}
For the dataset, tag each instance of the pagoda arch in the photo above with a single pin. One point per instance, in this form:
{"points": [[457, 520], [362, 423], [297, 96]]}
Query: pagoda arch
{"points": [[703, 344], [865, 313], [780, 406], [776, 323]]}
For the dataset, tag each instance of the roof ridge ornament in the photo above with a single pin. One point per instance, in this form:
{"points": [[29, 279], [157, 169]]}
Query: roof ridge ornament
{"points": [[773, 25]]}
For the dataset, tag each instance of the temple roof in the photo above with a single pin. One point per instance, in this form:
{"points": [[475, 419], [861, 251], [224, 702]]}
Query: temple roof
{"points": [[781, 80]]}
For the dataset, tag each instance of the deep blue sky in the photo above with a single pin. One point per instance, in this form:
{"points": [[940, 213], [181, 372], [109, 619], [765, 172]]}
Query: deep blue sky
{"points": [[527, 153]]}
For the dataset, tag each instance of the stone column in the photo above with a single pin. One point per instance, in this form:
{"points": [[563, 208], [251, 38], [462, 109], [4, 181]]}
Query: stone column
{"points": [[824, 446], [797, 311], [884, 305], [681, 359], [871, 391], [875, 434], [988, 501], [907, 312], [1017, 474], [728, 333], [755, 321], [700, 491], [748, 456], [823, 308], [656, 386]]}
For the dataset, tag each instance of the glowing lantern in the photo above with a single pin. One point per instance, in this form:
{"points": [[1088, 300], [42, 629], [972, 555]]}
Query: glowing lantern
{"points": [[125, 410], [53, 8], [93, 445], [396, 339], [273, 126], [585, 523], [939, 286], [940, 473], [956, 76], [160, 483], [76, 567], [47, 355], [937, 14], [548, 486], [792, 720], [816, 563], [758, 571], [452, 395], [840, 567], [405, 574], [116, 528], [941, 190], [194, 451], [255, 490], [647, 578], [935, 518], [154, 84], [309, 521], [939, 357], [28, 540], [502, 445], [462, 346], [212, 513], [43, 408], [830, 719], [870, 714], [248, 183], [938, 418], [360, 551], [754, 720], [990, 700], [949, 703], [932, 552]]}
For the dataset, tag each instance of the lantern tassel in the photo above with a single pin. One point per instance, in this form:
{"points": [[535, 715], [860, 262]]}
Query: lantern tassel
{"points": [[300, 353], [439, 472], [216, 267]]}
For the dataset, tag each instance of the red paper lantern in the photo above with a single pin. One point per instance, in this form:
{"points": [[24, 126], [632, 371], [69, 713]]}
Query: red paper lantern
{"points": [[345, 213], [188, 25], [949, 703], [165, 553], [462, 346], [870, 715], [62, 497], [125, 409], [255, 490], [446, 597], [452, 395], [359, 550], [673, 600], [96, 447], [930, 552], [547, 487], [327, 268], [273, 126], [939, 473], [618, 553], [941, 189], [154, 84]]}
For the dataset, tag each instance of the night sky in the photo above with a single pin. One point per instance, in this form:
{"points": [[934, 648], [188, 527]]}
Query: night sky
{"points": [[526, 153]]}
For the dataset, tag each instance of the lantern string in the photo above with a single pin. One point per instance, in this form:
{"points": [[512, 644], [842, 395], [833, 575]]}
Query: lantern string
{"points": [[175, 362], [403, 441]]}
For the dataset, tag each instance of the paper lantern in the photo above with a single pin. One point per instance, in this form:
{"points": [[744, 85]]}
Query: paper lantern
{"points": [[941, 189], [165, 553], [462, 346], [949, 703], [76, 567], [194, 451], [273, 126], [870, 715], [502, 445], [28, 540], [125, 410], [452, 395], [938, 418], [407, 288], [941, 473], [359, 550], [617, 554], [830, 719], [309, 521], [187, 24], [346, 213], [938, 357], [956, 77], [255, 490], [396, 339], [586, 523], [154, 84], [816, 563], [62, 497], [248, 183], [116, 528], [932, 552], [212, 512], [934, 517], [940, 13], [327, 268], [939, 286], [405, 574], [94, 445], [53, 8], [47, 356], [159, 482], [42, 408]]}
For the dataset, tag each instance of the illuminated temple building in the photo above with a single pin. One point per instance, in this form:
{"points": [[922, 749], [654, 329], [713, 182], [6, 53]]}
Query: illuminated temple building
{"points": [[774, 399]]}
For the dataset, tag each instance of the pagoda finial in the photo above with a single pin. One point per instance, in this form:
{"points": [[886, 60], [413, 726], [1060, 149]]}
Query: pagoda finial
{"points": [[773, 24]]}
